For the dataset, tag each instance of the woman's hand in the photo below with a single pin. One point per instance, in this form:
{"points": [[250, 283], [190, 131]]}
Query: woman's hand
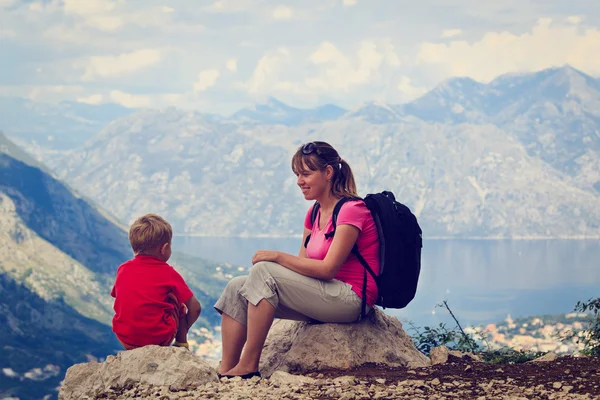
{"points": [[266, 255]]}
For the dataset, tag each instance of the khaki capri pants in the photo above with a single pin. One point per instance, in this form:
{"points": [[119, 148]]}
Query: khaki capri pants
{"points": [[293, 295]]}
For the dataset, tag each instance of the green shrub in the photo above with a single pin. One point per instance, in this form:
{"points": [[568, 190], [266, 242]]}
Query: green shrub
{"points": [[590, 337], [456, 339]]}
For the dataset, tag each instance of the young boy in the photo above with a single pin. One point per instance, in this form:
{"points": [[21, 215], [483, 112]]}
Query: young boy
{"points": [[149, 294]]}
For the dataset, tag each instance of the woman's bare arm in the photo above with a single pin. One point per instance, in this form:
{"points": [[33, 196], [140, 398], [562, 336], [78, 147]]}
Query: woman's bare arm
{"points": [[343, 241]]}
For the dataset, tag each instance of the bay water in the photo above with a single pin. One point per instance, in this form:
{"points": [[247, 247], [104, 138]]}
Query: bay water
{"points": [[483, 281]]}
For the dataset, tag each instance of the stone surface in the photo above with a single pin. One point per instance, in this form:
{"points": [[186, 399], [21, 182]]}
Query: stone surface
{"points": [[299, 347], [546, 358], [440, 382], [170, 367], [441, 354], [281, 378]]}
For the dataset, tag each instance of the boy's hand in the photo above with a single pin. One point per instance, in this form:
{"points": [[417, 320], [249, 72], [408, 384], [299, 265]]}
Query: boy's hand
{"points": [[182, 332], [194, 309]]}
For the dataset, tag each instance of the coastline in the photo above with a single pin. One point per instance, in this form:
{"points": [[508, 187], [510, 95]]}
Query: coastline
{"points": [[532, 333], [483, 238]]}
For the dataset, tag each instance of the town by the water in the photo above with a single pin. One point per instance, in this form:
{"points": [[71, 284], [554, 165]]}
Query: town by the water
{"points": [[538, 333]]}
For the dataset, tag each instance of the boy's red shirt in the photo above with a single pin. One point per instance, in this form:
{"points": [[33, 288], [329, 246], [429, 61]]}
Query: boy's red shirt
{"points": [[140, 292]]}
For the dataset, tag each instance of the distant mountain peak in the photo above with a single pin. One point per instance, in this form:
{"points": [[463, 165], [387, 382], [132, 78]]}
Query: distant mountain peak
{"points": [[567, 69], [376, 112], [451, 85], [557, 74], [374, 105], [572, 76], [274, 111], [274, 102]]}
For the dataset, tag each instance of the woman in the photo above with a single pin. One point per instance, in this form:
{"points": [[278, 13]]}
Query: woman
{"points": [[323, 283]]}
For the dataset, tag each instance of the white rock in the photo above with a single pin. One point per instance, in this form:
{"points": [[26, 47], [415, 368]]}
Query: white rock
{"points": [[281, 378], [299, 347], [169, 367], [549, 357], [440, 354]]}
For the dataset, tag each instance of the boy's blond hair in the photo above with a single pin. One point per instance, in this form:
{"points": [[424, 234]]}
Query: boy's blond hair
{"points": [[149, 232]]}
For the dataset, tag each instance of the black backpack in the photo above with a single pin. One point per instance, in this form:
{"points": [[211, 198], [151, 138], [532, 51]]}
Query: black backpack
{"points": [[400, 244]]}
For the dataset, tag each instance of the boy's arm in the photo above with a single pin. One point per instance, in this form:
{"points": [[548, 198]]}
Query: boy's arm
{"points": [[194, 309]]}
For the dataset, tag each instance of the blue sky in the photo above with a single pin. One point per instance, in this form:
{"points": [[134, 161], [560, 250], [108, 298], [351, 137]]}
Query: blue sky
{"points": [[220, 55]]}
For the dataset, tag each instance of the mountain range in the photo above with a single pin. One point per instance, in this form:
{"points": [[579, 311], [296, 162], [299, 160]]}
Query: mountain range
{"points": [[56, 126], [58, 256], [516, 157]]}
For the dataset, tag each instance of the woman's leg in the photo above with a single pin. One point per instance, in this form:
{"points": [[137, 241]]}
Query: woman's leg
{"points": [[260, 318], [289, 295], [233, 338], [234, 313]]}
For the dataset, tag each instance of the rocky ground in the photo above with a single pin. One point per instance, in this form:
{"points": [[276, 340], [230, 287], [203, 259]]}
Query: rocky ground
{"points": [[565, 378]]}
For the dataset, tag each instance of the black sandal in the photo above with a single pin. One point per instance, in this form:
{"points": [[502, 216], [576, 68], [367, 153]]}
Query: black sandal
{"points": [[245, 376]]}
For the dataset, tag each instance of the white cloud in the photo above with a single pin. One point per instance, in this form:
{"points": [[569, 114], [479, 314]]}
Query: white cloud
{"points": [[409, 92], [160, 17], [206, 79], [96, 13], [334, 73], [104, 15], [9, 372], [129, 100], [43, 93], [93, 99], [282, 13], [339, 72], [105, 23], [88, 7], [114, 66], [448, 33], [36, 7], [230, 6], [231, 65], [7, 33], [268, 70], [389, 53], [323, 59], [496, 53]]}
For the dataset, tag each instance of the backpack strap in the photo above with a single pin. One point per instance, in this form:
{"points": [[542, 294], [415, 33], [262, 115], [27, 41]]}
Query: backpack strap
{"points": [[315, 210], [313, 217], [364, 289], [336, 211], [363, 262]]}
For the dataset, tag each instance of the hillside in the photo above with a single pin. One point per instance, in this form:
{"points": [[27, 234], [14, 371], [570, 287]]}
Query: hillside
{"points": [[41, 338], [58, 257]]}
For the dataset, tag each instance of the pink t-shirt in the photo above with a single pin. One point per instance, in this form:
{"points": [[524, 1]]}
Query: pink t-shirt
{"points": [[357, 214]]}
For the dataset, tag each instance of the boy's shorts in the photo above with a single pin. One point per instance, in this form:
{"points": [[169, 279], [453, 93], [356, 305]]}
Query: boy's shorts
{"points": [[178, 309]]}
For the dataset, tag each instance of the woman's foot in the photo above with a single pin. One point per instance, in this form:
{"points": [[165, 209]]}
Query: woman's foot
{"points": [[245, 376], [241, 371]]}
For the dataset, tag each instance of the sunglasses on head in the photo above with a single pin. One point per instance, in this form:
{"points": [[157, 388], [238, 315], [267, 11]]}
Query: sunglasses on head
{"points": [[310, 148]]}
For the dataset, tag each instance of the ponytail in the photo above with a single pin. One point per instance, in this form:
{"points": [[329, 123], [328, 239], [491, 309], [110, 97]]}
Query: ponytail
{"points": [[343, 184]]}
